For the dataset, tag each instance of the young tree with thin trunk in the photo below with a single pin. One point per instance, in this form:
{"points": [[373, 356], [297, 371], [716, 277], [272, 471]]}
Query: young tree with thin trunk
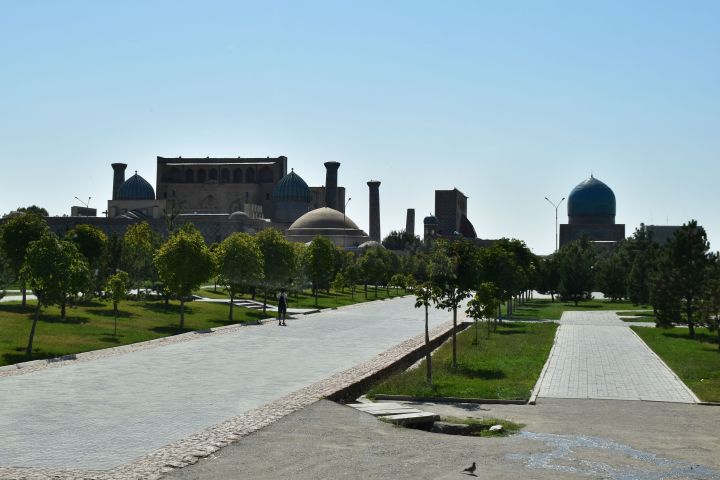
{"points": [[239, 264], [321, 261], [279, 261], [117, 286], [55, 270], [483, 306], [425, 295], [183, 263]]}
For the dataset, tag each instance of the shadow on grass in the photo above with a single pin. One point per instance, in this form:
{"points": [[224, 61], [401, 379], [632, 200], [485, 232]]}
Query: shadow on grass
{"points": [[16, 308], [18, 355], [47, 318], [699, 337], [160, 307], [111, 339], [92, 303], [170, 330], [480, 373], [104, 312]]}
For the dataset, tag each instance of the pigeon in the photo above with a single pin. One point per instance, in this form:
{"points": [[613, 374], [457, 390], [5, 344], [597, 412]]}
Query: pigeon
{"points": [[470, 469]]}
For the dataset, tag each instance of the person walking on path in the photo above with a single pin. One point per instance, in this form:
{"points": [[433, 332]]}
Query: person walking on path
{"points": [[282, 307]]}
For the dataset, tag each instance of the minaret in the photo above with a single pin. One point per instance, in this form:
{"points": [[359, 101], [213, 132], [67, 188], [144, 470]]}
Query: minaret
{"points": [[331, 184], [118, 177], [410, 222], [374, 210]]}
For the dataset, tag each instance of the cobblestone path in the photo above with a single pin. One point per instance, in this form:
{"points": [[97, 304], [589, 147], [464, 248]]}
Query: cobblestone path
{"points": [[102, 413], [596, 355]]}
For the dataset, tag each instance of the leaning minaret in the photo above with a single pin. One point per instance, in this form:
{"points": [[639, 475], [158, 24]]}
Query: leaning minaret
{"points": [[331, 184], [118, 177], [410, 222], [374, 210]]}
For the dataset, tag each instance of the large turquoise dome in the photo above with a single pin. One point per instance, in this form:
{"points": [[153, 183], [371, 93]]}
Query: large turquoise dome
{"points": [[291, 188], [591, 202], [136, 188]]}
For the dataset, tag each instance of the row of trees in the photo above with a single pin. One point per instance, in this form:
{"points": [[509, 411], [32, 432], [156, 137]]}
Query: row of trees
{"points": [[680, 279]]}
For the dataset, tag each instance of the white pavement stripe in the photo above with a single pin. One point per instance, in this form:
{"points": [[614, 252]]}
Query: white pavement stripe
{"points": [[596, 355]]}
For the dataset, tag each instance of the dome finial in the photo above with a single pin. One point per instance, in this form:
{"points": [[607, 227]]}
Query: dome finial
{"points": [[591, 175]]}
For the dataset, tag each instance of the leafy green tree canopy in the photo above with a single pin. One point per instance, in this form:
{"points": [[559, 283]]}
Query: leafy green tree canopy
{"points": [[90, 240]]}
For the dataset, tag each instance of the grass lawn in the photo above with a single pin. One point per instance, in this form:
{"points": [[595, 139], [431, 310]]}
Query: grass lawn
{"points": [[546, 309], [307, 300], [504, 366], [696, 361], [90, 326]]}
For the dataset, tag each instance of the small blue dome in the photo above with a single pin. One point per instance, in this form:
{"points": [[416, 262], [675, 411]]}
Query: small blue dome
{"points": [[430, 220], [136, 188], [591, 198], [291, 188]]}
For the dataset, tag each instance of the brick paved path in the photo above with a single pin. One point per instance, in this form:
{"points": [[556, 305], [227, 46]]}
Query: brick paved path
{"points": [[596, 355], [103, 413]]}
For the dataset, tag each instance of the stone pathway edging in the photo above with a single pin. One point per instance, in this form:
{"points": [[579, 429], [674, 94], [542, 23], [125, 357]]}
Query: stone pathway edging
{"points": [[190, 450], [536, 389]]}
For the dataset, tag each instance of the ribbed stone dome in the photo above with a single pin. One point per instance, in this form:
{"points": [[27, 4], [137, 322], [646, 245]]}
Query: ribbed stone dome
{"points": [[324, 218], [591, 202], [430, 220], [136, 188], [291, 188]]}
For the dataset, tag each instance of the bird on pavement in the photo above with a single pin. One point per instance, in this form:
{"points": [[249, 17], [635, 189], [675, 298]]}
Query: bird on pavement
{"points": [[470, 469]]}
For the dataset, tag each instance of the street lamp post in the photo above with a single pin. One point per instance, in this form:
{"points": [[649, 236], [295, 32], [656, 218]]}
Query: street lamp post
{"points": [[345, 226], [556, 224]]}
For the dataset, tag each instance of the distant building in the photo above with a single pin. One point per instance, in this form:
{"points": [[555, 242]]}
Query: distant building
{"points": [[662, 234], [591, 212], [451, 214]]}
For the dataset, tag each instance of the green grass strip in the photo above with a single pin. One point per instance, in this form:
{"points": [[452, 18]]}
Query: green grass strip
{"points": [[505, 366], [696, 361]]}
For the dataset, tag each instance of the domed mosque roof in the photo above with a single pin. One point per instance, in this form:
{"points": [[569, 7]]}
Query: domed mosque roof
{"points": [[324, 218], [136, 188], [591, 198], [292, 188], [431, 220]]}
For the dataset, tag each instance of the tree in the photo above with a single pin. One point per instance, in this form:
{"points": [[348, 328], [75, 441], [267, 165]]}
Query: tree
{"points": [[641, 253], [33, 209], [321, 262], [353, 274], [5, 274], [710, 305], [401, 240], [397, 281], [483, 306], [685, 270], [611, 273], [454, 270], [338, 284], [18, 232], [117, 286], [55, 270], [239, 264], [424, 296], [140, 244], [279, 256], [548, 276], [499, 267], [183, 262], [373, 267], [576, 262], [92, 243]]}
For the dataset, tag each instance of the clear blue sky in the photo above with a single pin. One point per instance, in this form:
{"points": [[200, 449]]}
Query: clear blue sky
{"points": [[507, 101]]}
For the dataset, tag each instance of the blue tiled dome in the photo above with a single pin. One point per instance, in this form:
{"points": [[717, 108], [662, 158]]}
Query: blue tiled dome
{"points": [[430, 220], [136, 188], [591, 198], [291, 188]]}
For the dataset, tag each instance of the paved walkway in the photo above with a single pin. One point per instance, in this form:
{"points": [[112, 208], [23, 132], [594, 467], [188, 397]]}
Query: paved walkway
{"points": [[103, 413], [596, 355]]}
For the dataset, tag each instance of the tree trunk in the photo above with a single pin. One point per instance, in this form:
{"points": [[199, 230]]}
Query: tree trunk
{"points": [[428, 353], [28, 350], [62, 310], [315, 291], [232, 303], [264, 301], [376, 291], [24, 294], [366, 291], [182, 312], [116, 315], [454, 338], [477, 334]]}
